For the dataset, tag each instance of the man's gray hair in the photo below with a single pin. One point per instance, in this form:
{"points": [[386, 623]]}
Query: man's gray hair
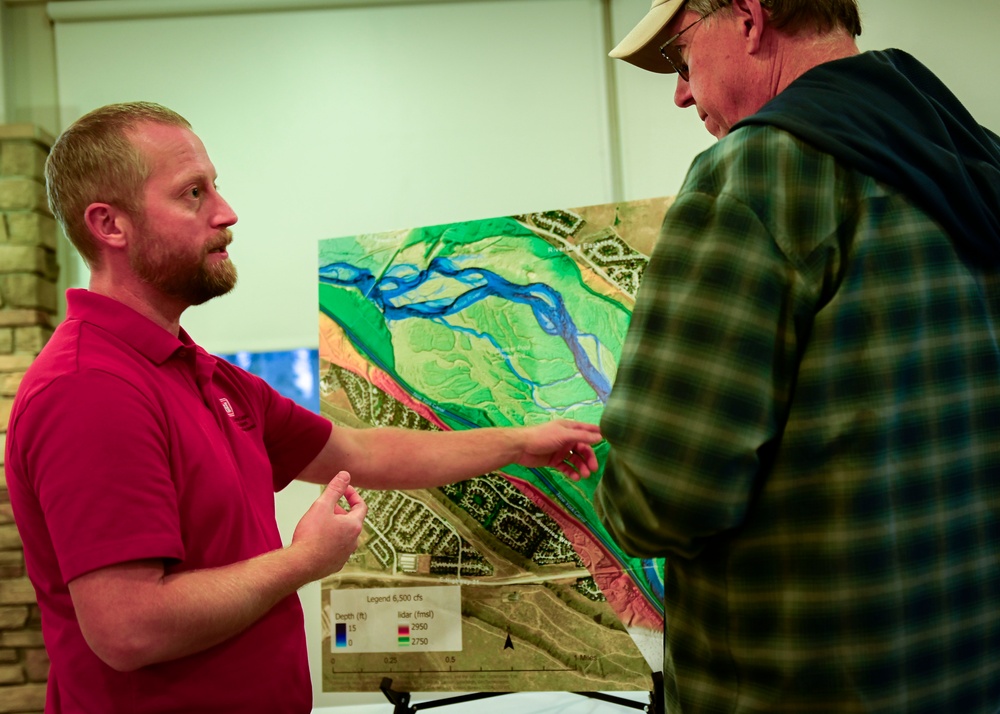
{"points": [[795, 15]]}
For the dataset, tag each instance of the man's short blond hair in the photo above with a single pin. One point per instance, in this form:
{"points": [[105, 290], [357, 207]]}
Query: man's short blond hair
{"points": [[96, 161]]}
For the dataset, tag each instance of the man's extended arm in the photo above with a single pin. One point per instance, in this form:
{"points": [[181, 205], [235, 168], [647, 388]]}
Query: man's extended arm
{"points": [[406, 458]]}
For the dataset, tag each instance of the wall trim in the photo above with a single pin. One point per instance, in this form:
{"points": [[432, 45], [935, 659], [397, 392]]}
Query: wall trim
{"points": [[91, 10]]}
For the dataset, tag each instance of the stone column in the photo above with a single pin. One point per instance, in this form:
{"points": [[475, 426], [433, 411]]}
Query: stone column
{"points": [[28, 305]]}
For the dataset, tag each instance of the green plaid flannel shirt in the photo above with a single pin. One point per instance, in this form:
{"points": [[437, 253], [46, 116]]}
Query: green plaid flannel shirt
{"points": [[806, 424]]}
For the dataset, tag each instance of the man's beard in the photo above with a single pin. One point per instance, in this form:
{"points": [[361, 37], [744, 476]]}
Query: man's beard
{"points": [[186, 277]]}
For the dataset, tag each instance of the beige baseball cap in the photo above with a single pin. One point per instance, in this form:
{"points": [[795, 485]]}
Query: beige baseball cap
{"points": [[640, 47]]}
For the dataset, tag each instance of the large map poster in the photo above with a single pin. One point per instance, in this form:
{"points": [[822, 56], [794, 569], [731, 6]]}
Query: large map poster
{"points": [[506, 582]]}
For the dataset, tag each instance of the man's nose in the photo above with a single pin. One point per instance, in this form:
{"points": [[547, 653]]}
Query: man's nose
{"points": [[225, 216], [682, 94]]}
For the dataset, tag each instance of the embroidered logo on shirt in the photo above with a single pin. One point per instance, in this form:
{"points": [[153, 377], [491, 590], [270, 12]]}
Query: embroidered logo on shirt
{"points": [[243, 421], [227, 406]]}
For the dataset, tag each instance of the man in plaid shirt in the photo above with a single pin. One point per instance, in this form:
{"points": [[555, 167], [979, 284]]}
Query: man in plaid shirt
{"points": [[806, 418]]}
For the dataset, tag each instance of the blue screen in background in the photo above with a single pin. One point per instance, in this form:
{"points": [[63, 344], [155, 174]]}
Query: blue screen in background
{"points": [[293, 374]]}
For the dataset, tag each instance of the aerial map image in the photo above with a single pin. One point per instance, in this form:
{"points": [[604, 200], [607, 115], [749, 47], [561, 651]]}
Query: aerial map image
{"points": [[508, 581]]}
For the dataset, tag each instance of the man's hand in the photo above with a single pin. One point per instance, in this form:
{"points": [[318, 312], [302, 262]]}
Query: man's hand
{"points": [[134, 614], [328, 533], [562, 444]]}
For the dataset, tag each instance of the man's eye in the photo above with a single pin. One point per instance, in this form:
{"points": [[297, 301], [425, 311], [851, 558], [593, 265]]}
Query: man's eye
{"points": [[195, 192]]}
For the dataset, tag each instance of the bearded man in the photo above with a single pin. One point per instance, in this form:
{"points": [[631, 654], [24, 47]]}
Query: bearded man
{"points": [[142, 470]]}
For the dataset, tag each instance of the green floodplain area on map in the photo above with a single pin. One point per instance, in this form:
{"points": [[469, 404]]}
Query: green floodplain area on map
{"points": [[487, 323], [500, 357]]}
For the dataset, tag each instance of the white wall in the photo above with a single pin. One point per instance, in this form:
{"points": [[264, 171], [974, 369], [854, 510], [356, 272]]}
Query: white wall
{"points": [[954, 39], [26, 44], [351, 119], [327, 122], [330, 122]]}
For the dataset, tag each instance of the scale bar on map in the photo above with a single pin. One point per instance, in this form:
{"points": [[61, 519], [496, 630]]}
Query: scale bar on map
{"points": [[450, 670]]}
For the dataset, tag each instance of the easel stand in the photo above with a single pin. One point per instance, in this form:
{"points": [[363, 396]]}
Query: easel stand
{"points": [[401, 700]]}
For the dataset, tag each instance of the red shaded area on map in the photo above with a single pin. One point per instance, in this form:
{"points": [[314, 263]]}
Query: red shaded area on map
{"points": [[621, 591]]}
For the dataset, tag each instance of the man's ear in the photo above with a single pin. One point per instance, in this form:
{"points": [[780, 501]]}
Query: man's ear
{"points": [[751, 17], [109, 225]]}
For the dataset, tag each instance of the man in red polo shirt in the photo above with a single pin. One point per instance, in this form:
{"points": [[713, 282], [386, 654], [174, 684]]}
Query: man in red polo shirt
{"points": [[142, 470]]}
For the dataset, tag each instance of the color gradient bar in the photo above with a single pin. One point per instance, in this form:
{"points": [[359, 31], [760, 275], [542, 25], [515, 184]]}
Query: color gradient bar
{"points": [[403, 635], [341, 634]]}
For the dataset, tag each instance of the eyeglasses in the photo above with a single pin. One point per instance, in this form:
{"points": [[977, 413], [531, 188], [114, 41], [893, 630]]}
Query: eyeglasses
{"points": [[673, 55]]}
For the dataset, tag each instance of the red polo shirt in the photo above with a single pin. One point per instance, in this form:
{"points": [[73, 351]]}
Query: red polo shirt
{"points": [[128, 443]]}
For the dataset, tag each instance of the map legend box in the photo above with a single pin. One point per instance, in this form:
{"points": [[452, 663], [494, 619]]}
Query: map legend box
{"points": [[425, 619]]}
